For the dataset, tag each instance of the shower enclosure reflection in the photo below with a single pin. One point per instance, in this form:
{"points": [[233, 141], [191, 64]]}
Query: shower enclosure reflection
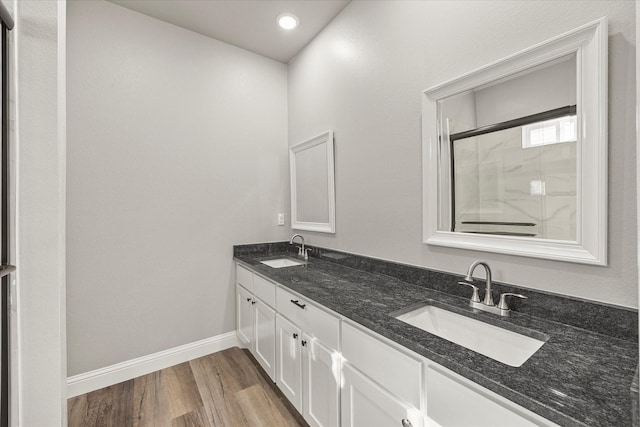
{"points": [[516, 176], [519, 181]]}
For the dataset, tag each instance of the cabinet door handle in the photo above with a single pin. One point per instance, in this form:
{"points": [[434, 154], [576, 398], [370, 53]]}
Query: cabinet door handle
{"points": [[295, 335], [248, 299], [406, 423], [253, 302], [303, 342], [297, 302]]}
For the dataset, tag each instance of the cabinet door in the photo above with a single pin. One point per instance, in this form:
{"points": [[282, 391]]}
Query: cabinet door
{"points": [[244, 317], [366, 404], [265, 337], [289, 362], [320, 383]]}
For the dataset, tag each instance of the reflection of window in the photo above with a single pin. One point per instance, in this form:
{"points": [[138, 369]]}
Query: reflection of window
{"points": [[554, 131]]}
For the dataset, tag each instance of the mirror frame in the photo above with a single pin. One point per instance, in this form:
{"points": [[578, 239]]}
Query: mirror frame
{"points": [[323, 227], [589, 43]]}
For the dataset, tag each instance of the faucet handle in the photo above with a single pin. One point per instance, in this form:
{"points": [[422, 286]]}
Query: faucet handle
{"points": [[502, 305], [474, 297]]}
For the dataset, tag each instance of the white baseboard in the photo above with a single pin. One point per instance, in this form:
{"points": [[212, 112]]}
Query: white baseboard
{"points": [[123, 371]]}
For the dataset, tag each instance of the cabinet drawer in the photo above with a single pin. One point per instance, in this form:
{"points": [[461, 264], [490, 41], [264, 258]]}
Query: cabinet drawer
{"points": [[309, 318], [397, 372], [244, 277], [265, 290]]}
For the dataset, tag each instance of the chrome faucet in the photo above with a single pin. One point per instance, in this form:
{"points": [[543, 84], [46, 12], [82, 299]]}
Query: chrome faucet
{"points": [[488, 304], [488, 296], [301, 252]]}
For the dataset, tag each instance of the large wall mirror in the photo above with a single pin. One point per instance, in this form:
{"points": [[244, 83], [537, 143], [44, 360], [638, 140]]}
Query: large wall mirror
{"points": [[515, 153], [312, 184]]}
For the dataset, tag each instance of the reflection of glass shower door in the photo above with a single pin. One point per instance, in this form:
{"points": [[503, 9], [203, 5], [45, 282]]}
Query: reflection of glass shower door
{"points": [[491, 186], [517, 178]]}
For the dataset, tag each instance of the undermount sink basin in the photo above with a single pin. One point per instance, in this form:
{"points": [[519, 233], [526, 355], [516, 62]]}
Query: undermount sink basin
{"points": [[281, 262], [508, 347]]}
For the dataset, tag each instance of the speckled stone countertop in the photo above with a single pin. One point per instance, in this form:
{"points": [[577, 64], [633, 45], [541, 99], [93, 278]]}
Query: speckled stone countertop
{"points": [[580, 376]]}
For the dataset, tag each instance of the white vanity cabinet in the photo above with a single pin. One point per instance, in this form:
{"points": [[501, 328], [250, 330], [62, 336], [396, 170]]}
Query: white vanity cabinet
{"points": [[382, 386], [308, 359], [255, 317]]}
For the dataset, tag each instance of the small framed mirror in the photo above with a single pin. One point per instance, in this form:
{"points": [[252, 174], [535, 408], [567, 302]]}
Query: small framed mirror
{"points": [[515, 153], [312, 184]]}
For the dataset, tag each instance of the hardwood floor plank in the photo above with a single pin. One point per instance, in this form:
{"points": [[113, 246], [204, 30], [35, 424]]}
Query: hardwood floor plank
{"points": [[107, 407], [164, 395], [238, 367], [149, 408], [195, 418], [257, 408], [288, 412], [218, 389], [180, 390], [77, 410]]}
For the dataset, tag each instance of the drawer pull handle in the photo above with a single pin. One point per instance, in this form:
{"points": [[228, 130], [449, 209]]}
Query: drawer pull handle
{"points": [[303, 342], [297, 302], [406, 423], [295, 335]]}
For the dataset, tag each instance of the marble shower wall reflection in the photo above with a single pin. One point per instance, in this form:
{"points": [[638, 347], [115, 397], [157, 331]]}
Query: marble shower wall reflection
{"points": [[499, 181]]}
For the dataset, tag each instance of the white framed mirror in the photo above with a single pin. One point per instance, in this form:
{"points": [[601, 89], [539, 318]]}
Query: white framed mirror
{"points": [[312, 184], [515, 153]]}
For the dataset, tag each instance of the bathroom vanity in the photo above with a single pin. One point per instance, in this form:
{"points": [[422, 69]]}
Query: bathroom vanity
{"points": [[328, 333]]}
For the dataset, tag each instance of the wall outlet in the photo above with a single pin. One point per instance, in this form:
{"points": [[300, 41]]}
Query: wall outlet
{"points": [[281, 219]]}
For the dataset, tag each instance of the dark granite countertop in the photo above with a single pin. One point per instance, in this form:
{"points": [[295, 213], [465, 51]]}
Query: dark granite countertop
{"points": [[579, 376]]}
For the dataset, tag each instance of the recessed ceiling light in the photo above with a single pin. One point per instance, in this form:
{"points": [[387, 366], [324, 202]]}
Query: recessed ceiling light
{"points": [[288, 21]]}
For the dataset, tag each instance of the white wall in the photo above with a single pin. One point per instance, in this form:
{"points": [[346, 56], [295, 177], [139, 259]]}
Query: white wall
{"points": [[363, 77], [177, 150], [40, 108]]}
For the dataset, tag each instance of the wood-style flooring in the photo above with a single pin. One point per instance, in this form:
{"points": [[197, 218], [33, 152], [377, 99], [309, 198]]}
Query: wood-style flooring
{"points": [[224, 389]]}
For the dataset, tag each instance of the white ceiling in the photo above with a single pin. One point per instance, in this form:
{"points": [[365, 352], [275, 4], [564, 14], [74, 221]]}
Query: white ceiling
{"points": [[249, 24]]}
